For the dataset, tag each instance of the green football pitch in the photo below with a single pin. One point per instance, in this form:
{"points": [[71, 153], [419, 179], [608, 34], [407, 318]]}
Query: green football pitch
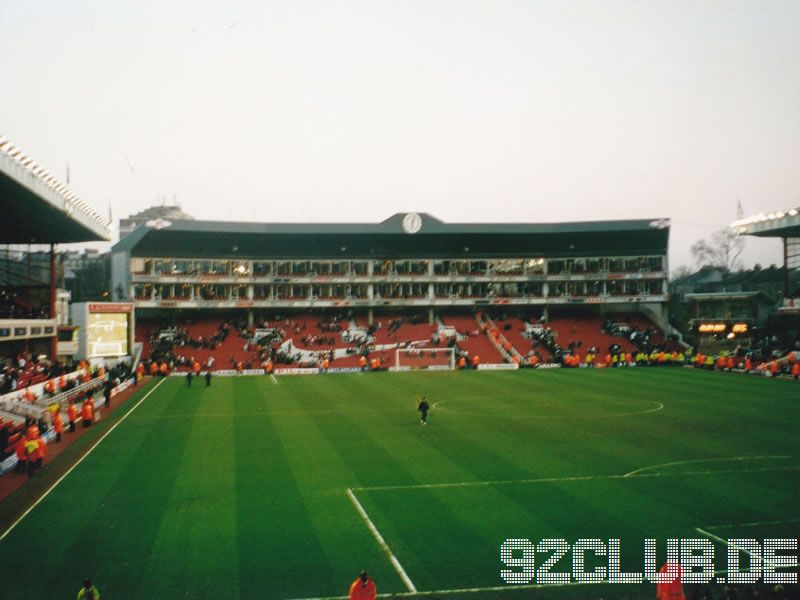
{"points": [[286, 488]]}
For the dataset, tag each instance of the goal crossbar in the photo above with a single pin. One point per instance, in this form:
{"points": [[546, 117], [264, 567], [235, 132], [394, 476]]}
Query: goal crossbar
{"points": [[424, 358]]}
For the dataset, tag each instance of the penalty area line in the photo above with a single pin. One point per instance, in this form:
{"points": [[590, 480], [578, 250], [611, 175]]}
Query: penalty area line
{"points": [[79, 461], [273, 379], [493, 482], [381, 542]]}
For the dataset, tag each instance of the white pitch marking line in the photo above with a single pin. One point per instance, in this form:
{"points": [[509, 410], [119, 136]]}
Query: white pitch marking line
{"points": [[79, 461], [381, 542], [723, 541], [660, 406], [423, 486], [703, 460], [753, 524], [273, 379]]}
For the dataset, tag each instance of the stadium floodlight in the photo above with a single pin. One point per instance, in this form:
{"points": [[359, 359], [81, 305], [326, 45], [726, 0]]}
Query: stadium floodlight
{"points": [[432, 359]]}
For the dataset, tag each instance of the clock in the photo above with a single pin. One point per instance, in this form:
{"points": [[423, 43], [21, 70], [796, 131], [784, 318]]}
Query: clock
{"points": [[412, 223]]}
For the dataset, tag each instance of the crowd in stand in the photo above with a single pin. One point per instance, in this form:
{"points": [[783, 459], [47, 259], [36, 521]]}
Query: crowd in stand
{"points": [[14, 305], [75, 399], [26, 369]]}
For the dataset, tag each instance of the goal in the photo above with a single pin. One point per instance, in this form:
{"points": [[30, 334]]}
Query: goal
{"points": [[424, 358]]}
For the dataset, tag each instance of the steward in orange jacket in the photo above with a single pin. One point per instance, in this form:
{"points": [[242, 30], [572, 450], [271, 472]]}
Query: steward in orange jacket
{"points": [[87, 414], [72, 415], [674, 589], [20, 450], [58, 425], [363, 588]]}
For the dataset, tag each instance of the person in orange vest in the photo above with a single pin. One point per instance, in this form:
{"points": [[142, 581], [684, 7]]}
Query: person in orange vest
{"points": [[475, 361], [374, 364], [362, 362], [731, 363], [21, 455], [58, 424], [32, 432], [629, 358], [72, 415], [41, 450], [748, 364], [163, 369], [31, 453], [50, 387], [153, 368], [774, 369], [86, 413], [325, 364], [62, 382], [674, 589], [239, 367], [29, 395], [363, 588], [462, 362], [196, 368], [796, 370], [533, 361]]}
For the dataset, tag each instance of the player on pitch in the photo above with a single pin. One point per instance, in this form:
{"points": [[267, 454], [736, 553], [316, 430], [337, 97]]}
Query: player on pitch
{"points": [[423, 408]]}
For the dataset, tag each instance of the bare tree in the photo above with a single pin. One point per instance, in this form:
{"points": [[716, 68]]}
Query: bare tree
{"points": [[722, 250]]}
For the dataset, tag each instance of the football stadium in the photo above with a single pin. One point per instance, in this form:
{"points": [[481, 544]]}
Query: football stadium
{"points": [[461, 410], [420, 300]]}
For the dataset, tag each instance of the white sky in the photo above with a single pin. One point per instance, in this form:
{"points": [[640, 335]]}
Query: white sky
{"points": [[473, 111]]}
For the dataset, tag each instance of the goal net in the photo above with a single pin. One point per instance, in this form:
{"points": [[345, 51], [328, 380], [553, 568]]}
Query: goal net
{"points": [[424, 358]]}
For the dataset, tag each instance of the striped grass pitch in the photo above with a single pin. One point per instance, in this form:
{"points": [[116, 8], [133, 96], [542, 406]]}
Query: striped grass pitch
{"points": [[249, 489]]}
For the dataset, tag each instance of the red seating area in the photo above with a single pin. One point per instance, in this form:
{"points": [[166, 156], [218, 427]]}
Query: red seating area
{"points": [[306, 334], [515, 335], [232, 347], [585, 328], [478, 344], [407, 332]]}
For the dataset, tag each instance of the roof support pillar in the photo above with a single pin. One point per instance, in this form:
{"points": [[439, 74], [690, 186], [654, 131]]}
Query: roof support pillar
{"points": [[54, 339], [785, 267]]}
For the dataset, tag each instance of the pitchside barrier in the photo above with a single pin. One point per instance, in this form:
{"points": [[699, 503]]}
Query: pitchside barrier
{"points": [[11, 462]]}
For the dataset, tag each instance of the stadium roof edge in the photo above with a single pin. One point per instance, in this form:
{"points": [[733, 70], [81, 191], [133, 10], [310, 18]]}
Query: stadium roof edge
{"points": [[432, 235], [785, 223], [38, 208]]}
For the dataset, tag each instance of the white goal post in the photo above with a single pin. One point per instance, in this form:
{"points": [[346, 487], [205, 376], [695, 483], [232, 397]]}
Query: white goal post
{"points": [[406, 359]]}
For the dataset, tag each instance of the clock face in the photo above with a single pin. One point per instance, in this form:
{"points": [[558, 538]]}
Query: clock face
{"points": [[412, 223]]}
